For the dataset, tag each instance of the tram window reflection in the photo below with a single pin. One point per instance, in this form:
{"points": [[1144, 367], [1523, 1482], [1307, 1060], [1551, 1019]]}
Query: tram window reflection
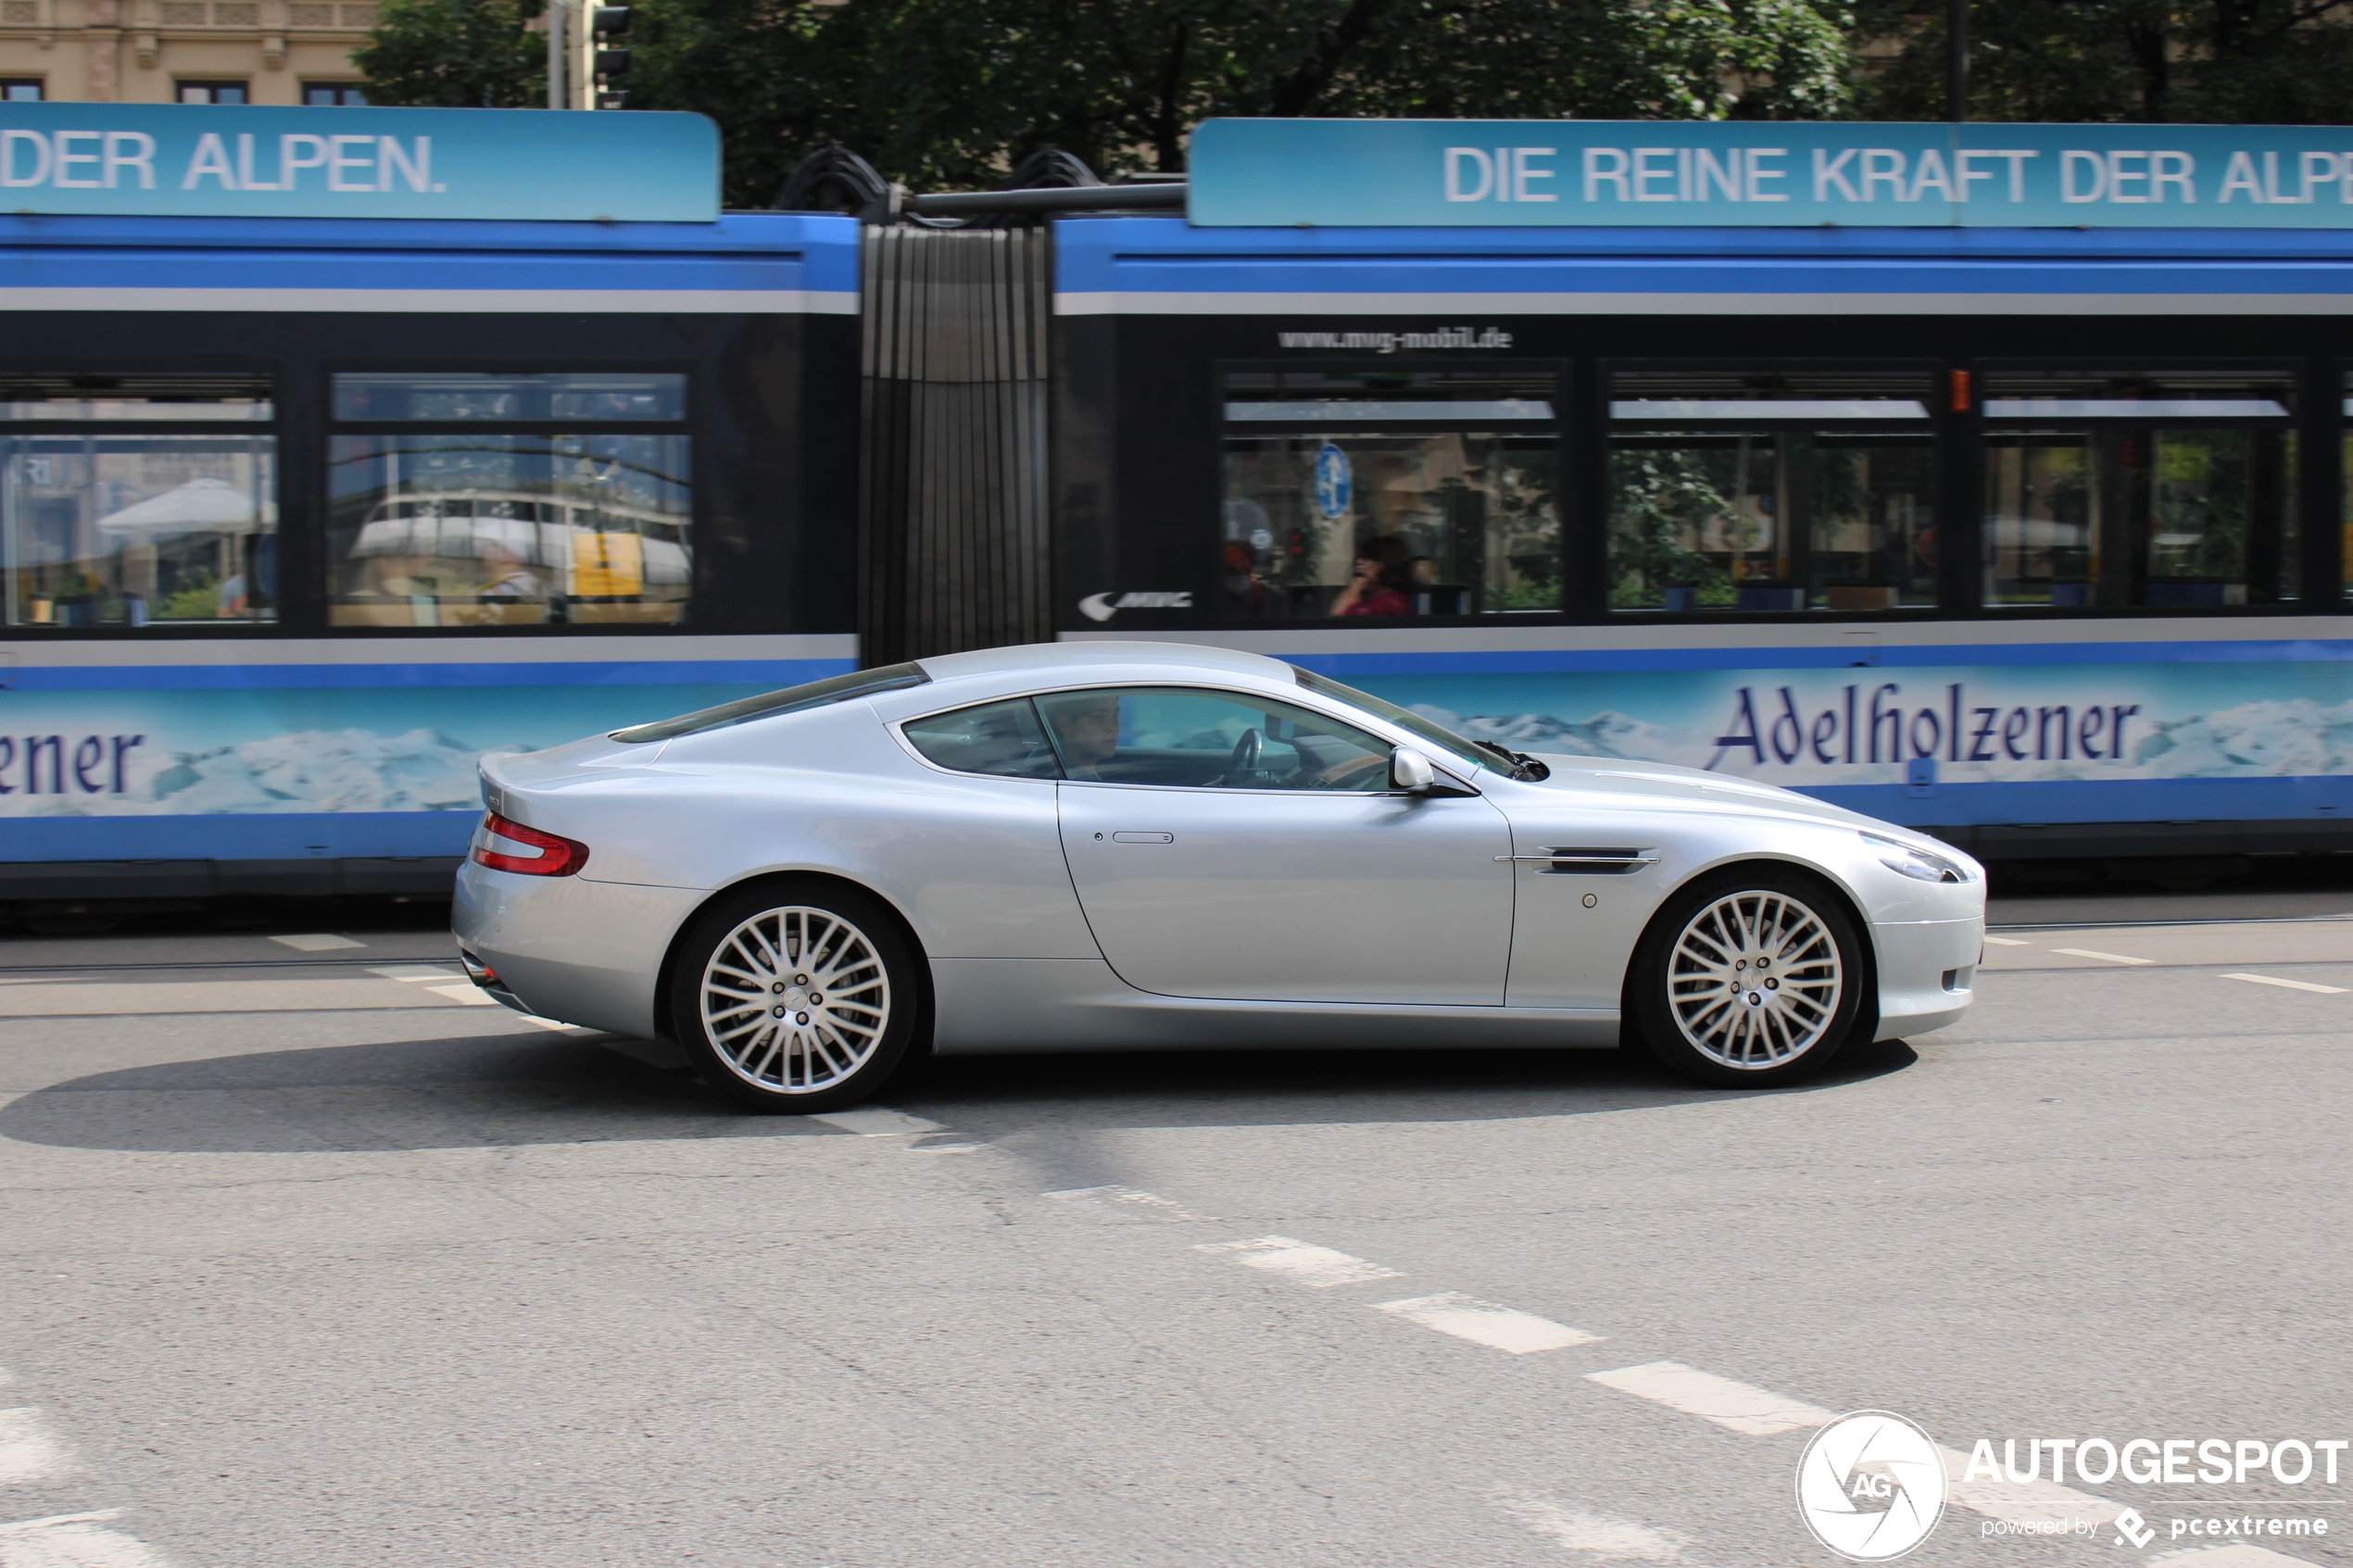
{"points": [[1342, 500], [508, 530], [2119, 490], [1736, 491], [115, 513]]}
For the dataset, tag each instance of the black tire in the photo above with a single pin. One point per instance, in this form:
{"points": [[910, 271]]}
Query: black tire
{"points": [[820, 1049], [1755, 1034]]}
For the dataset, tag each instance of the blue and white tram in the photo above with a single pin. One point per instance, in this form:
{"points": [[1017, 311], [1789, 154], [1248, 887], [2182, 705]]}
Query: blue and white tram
{"points": [[2032, 538], [299, 517]]}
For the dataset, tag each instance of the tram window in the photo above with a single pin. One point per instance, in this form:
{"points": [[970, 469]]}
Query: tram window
{"points": [[485, 529], [519, 513], [1732, 491], [1371, 493], [2127, 489], [2345, 485], [114, 513], [470, 398]]}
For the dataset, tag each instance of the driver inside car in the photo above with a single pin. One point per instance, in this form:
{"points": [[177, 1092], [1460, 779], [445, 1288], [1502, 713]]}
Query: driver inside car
{"points": [[1168, 732], [1087, 727]]}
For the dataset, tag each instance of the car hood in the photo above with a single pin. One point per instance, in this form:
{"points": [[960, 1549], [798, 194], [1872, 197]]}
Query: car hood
{"points": [[1664, 782]]}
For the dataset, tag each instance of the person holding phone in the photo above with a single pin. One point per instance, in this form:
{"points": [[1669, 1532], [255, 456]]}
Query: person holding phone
{"points": [[1383, 582]]}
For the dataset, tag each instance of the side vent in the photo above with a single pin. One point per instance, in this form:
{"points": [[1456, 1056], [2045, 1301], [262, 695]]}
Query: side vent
{"points": [[1577, 859]]}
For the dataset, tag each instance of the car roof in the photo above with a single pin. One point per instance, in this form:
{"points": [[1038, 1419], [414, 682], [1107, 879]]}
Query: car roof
{"points": [[1046, 659]]}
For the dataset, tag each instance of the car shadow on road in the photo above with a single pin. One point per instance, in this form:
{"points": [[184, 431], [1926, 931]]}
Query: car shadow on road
{"points": [[506, 1090], [479, 1091], [976, 1095]]}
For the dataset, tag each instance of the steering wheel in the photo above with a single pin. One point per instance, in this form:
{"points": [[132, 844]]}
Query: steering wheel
{"points": [[1244, 765]]}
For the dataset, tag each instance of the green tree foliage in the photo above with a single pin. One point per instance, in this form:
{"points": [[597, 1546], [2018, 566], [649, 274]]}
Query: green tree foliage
{"points": [[456, 54], [945, 94], [2209, 61]]}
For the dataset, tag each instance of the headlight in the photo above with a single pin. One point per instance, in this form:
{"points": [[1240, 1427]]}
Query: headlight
{"points": [[1921, 865]]}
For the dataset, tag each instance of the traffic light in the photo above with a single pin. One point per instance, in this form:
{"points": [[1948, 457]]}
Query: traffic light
{"points": [[611, 22]]}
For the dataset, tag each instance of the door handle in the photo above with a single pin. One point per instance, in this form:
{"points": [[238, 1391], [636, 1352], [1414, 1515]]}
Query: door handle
{"points": [[1143, 838]]}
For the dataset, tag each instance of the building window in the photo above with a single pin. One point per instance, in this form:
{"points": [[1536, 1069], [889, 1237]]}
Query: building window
{"points": [[2116, 489], [1738, 491], [129, 501], [334, 94], [1376, 494], [212, 93], [21, 90], [474, 499]]}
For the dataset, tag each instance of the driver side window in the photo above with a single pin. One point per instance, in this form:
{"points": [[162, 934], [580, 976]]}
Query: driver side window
{"points": [[1180, 737]]}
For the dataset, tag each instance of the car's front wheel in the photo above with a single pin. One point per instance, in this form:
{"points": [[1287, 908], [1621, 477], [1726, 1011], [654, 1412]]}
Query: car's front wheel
{"points": [[1751, 977], [795, 998]]}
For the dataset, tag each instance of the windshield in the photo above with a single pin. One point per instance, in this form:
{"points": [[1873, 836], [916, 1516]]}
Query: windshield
{"points": [[1469, 753], [767, 705]]}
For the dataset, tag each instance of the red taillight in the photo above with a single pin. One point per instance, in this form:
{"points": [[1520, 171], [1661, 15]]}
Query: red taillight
{"points": [[550, 856]]}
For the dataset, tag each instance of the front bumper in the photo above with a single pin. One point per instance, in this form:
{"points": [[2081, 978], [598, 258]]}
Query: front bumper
{"points": [[1927, 973]]}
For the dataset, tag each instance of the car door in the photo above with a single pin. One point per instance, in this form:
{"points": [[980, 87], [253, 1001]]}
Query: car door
{"points": [[1235, 846]]}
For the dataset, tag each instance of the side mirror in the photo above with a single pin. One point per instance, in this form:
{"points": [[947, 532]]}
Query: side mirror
{"points": [[1411, 771]]}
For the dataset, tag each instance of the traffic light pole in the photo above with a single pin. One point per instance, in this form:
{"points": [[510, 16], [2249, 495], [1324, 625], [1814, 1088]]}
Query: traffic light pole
{"points": [[557, 98], [1957, 60]]}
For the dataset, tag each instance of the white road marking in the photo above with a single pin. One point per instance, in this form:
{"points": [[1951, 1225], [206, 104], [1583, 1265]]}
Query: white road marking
{"points": [[1164, 1208], [876, 1122], [1301, 1263], [469, 993], [2008, 942], [316, 942], [1609, 1540], [948, 1147], [1484, 1322], [28, 1450], [416, 972], [548, 1023], [1734, 1406], [73, 1540], [2289, 984], [2087, 953]]}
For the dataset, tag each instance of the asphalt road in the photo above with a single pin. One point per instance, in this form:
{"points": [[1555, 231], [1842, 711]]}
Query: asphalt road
{"points": [[310, 1261]]}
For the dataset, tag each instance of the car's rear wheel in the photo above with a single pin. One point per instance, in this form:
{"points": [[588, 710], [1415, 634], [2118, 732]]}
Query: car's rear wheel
{"points": [[795, 998], [1753, 977]]}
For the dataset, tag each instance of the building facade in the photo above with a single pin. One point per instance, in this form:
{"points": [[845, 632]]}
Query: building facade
{"points": [[283, 52]]}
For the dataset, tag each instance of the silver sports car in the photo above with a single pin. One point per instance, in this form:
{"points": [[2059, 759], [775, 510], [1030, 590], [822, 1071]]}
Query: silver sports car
{"points": [[1135, 845]]}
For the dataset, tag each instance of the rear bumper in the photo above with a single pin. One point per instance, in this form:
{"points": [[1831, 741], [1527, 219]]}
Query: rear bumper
{"points": [[1927, 973], [564, 948]]}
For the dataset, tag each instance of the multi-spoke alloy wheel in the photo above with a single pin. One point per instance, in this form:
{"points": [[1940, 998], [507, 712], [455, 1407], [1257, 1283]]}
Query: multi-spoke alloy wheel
{"points": [[795, 999], [1755, 980], [1749, 977], [799, 1004]]}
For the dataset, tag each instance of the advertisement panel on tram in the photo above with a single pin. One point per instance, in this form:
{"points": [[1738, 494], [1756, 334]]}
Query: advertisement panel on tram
{"points": [[300, 515], [2032, 536]]}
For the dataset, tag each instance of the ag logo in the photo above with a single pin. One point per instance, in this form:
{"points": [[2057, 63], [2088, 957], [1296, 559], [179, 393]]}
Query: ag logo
{"points": [[1871, 1486]]}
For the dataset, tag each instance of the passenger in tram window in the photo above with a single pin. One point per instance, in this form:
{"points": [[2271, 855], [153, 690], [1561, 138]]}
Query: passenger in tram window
{"points": [[1383, 582], [1246, 593]]}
